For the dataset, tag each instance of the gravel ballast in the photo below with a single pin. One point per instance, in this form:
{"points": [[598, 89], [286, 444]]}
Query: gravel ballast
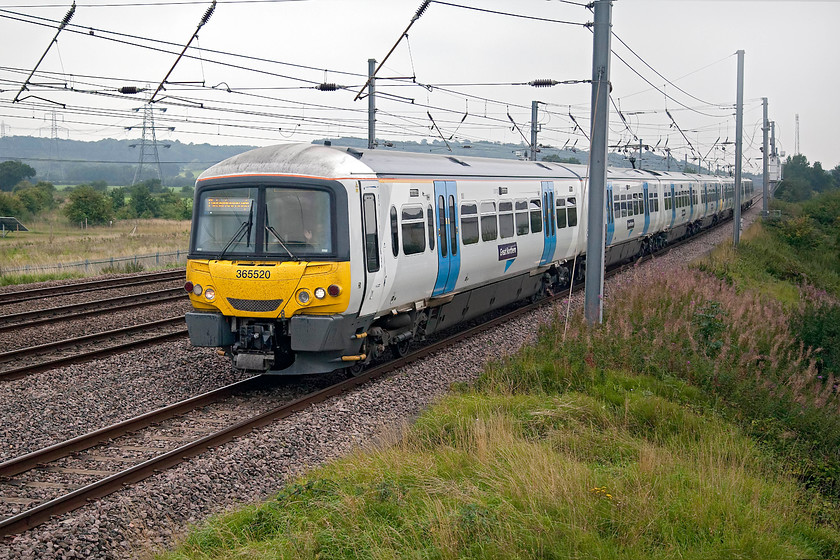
{"points": [[151, 515]]}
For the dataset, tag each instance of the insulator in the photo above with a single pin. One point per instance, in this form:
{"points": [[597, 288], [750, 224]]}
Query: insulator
{"points": [[543, 83], [129, 90], [421, 9], [327, 86], [69, 15], [208, 13]]}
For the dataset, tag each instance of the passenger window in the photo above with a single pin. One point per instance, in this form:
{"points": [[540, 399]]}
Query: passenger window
{"points": [[442, 225], [521, 217], [413, 230], [561, 213], [550, 207], [453, 230], [489, 222], [505, 219], [572, 210], [624, 209], [431, 220], [395, 237], [536, 216], [546, 223], [469, 223], [371, 235]]}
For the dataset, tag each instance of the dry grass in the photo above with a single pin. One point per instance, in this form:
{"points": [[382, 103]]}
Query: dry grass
{"points": [[51, 241]]}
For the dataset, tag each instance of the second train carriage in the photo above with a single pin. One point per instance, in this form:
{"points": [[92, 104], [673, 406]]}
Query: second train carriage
{"points": [[307, 258]]}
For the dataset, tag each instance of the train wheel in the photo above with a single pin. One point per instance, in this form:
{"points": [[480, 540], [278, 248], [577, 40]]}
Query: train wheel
{"points": [[355, 370], [400, 349]]}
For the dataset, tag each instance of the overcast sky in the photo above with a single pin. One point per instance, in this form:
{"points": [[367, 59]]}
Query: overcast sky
{"points": [[456, 62]]}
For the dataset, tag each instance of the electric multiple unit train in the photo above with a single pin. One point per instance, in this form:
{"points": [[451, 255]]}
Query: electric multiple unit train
{"points": [[309, 258]]}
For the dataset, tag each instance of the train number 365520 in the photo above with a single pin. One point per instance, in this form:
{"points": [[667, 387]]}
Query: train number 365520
{"points": [[266, 274]]}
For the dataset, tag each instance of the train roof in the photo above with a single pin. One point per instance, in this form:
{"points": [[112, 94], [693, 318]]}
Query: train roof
{"points": [[332, 161], [317, 160]]}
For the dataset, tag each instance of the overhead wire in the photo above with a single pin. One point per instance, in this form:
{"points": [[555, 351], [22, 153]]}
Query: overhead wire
{"points": [[444, 88]]}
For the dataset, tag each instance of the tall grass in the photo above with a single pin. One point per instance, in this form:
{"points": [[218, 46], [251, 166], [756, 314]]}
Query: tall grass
{"points": [[737, 347]]}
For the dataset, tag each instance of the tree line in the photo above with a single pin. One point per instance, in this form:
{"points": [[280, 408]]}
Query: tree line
{"points": [[802, 181], [94, 203]]}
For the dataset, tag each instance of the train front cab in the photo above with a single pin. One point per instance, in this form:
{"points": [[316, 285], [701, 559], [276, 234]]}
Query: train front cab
{"points": [[269, 273]]}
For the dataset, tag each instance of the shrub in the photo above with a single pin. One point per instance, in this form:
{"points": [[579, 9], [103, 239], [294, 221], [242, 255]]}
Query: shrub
{"points": [[817, 325], [86, 204]]}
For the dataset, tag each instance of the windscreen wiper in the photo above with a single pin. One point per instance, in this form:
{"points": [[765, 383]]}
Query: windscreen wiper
{"points": [[244, 228], [281, 241]]}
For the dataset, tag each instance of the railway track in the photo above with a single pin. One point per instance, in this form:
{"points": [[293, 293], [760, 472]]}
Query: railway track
{"points": [[24, 481], [74, 311], [19, 363], [91, 286], [13, 487]]}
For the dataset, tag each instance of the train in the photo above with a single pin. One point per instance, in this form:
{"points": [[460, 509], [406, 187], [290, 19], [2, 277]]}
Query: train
{"points": [[307, 258]]}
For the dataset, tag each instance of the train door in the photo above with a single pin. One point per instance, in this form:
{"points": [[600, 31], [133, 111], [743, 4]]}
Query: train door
{"points": [[691, 201], [610, 216], [673, 206], [374, 267], [549, 223], [449, 254], [646, 204]]}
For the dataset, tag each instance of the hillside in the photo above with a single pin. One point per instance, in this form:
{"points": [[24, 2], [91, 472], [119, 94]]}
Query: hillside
{"points": [[115, 161]]}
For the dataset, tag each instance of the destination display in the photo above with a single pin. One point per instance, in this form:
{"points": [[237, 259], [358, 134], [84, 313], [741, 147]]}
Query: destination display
{"points": [[227, 205]]}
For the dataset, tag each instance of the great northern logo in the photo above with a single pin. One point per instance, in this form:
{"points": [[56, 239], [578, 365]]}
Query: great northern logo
{"points": [[507, 251]]}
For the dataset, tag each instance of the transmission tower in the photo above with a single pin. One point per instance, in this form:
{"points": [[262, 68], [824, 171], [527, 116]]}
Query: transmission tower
{"points": [[149, 155], [2, 129], [796, 147], [55, 170]]}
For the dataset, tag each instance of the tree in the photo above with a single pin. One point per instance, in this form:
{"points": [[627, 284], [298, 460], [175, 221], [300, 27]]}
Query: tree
{"points": [[557, 159], [802, 181], [173, 207], [10, 205], [142, 204], [117, 198], [36, 198], [12, 173], [86, 204]]}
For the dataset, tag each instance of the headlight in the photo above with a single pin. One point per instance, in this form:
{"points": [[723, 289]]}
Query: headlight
{"points": [[210, 294], [197, 289], [303, 297], [320, 293]]}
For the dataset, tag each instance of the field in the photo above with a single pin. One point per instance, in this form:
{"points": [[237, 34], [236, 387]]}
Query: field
{"points": [[51, 240]]}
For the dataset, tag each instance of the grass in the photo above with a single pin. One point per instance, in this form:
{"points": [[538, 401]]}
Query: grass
{"points": [[51, 240], [699, 421], [571, 475], [694, 423], [14, 279]]}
